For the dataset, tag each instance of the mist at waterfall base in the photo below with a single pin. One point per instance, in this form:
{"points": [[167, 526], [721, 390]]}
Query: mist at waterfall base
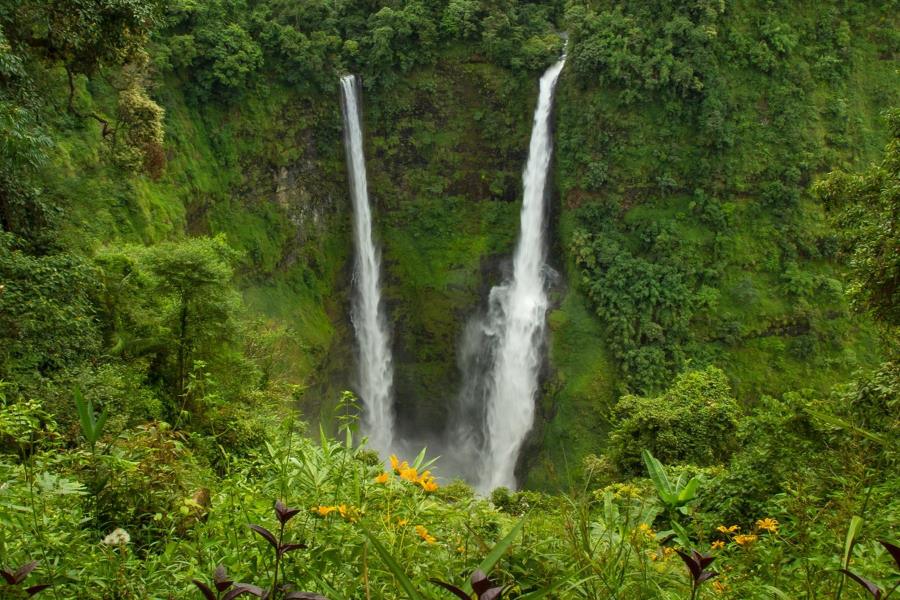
{"points": [[501, 349], [375, 371]]}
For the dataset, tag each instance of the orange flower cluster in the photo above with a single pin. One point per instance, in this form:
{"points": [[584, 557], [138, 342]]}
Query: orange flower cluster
{"points": [[423, 533], [347, 512], [410, 474]]}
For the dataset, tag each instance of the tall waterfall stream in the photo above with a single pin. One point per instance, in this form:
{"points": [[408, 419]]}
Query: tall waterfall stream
{"points": [[376, 372]]}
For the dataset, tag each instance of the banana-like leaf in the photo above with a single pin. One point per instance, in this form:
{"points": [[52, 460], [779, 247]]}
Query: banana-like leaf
{"points": [[689, 492], [658, 477]]}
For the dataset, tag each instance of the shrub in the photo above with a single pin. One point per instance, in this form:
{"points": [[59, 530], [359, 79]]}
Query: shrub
{"points": [[694, 422]]}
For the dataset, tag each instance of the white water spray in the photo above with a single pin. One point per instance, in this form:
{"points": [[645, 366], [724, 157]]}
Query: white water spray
{"points": [[375, 366], [518, 311]]}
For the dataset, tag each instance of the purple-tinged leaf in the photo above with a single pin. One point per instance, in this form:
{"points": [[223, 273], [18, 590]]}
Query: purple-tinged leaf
{"points": [[285, 548], [244, 588], [266, 534], [36, 589], [480, 582], [24, 571], [894, 551], [491, 594], [221, 579], [284, 513], [706, 576], [704, 560], [304, 596], [451, 588], [220, 574], [871, 587], [204, 589], [691, 564], [9, 576]]}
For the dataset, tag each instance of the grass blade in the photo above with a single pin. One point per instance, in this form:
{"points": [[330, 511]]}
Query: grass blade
{"points": [[394, 567], [497, 552]]}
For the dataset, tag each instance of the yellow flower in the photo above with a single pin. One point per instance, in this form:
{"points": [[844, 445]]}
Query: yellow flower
{"points": [[324, 511], [398, 466], [383, 478], [460, 549], [667, 552], [423, 533], [719, 587], [718, 545], [427, 482], [402, 522], [348, 512], [768, 524], [646, 530], [732, 529], [745, 540]]}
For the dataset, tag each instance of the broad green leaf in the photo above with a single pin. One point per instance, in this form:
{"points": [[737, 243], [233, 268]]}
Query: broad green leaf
{"points": [[689, 492], [658, 476]]}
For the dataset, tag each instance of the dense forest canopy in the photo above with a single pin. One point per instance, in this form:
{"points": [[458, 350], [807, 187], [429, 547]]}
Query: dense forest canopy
{"points": [[721, 372]]}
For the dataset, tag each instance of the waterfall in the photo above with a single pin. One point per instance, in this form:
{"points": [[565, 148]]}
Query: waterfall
{"points": [[517, 312], [375, 365]]}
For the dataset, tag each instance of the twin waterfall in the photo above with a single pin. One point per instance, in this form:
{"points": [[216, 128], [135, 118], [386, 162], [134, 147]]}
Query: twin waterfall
{"points": [[497, 404], [376, 371]]}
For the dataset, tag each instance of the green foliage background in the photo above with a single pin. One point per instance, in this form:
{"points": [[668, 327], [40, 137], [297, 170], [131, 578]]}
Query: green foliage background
{"points": [[175, 256]]}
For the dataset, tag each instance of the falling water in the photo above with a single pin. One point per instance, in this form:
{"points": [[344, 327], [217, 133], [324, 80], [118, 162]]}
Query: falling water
{"points": [[375, 368], [518, 310]]}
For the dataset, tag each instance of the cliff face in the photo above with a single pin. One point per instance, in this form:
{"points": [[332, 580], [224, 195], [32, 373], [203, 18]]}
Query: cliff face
{"points": [[706, 190]]}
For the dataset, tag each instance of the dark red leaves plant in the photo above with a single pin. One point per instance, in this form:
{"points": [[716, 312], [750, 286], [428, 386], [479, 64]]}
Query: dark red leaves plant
{"points": [[893, 550], [696, 564], [266, 534], [877, 593], [868, 585], [226, 589], [18, 576], [283, 513], [482, 586], [222, 583]]}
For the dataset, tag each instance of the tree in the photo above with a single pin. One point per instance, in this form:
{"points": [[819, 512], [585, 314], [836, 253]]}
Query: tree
{"points": [[174, 303], [83, 34], [194, 278]]}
